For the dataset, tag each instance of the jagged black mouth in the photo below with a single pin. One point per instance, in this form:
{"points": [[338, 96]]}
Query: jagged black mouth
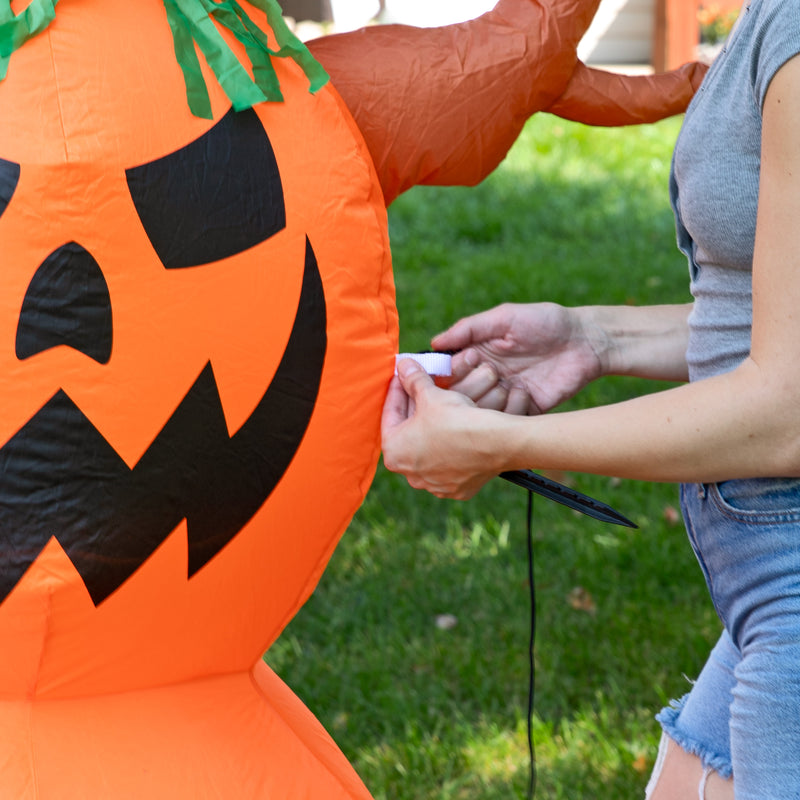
{"points": [[59, 477]]}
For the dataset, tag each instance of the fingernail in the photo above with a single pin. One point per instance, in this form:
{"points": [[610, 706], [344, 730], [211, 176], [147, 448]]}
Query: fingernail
{"points": [[407, 366]]}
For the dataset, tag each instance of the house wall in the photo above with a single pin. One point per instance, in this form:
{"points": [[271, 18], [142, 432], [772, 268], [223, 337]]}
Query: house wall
{"points": [[318, 10], [661, 33], [621, 33], [427, 13]]}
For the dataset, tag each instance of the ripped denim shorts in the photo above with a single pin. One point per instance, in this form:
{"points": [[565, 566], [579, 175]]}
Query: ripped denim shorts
{"points": [[742, 716]]}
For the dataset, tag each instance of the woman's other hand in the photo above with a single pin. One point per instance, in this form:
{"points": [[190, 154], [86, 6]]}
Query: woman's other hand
{"points": [[431, 435], [523, 359]]}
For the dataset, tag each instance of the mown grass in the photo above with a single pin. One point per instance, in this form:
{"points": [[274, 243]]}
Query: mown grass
{"points": [[575, 215]]}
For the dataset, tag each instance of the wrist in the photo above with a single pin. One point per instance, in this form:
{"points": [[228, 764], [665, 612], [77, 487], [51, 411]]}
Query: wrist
{"points": [[502, 442], [595, 327], [642, 341]]}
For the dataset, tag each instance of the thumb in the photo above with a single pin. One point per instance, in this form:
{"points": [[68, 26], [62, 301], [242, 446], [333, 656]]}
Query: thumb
{"points": [[413, 378], [479, 328], [456, 337]]}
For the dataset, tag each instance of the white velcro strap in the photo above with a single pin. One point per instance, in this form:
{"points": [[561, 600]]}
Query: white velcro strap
{"points": [[437, 364]]}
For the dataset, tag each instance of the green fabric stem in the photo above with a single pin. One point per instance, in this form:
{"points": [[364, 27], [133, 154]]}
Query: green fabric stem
{"points": [[291, 46], [191, 23], [194, 25], [16, 29]]}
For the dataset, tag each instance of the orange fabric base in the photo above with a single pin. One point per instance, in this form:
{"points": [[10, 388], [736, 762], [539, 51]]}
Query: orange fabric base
{"points": [[237, 736]]}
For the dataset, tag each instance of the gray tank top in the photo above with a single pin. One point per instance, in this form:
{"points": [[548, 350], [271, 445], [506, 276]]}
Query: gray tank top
{"points": [[714, 182]]}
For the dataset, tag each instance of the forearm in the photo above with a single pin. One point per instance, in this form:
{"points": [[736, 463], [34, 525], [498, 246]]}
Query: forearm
{"points": [[745, 423], [739, 424], [641, 341]]}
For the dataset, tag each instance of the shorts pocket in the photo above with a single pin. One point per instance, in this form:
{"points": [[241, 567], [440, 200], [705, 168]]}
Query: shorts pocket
{"points": [[758, 500]]}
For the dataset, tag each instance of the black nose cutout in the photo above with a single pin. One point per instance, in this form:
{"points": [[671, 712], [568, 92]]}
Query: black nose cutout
{"points": [[67, 303]]}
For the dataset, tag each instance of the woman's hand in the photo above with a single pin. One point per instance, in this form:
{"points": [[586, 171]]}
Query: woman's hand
{"points": [[432, 435], [527, 359], [523, 359]]}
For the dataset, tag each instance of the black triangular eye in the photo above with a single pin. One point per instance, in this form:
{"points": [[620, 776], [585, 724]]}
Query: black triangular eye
{"points": [[67, 303], [9, 177], [216, 197]]}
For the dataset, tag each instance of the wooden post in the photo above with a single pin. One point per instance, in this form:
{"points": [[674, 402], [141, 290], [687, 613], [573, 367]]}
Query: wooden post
{"points": [[676, 34]]}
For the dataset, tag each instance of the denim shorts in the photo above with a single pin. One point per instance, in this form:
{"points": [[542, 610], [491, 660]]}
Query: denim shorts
{"points": [[742, 715]]}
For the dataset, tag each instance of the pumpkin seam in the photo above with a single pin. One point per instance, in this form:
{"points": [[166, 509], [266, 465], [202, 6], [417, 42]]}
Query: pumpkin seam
{"points": [[49, 35]]}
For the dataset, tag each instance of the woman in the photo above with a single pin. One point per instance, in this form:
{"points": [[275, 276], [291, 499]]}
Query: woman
{"points": [[724, 435]]}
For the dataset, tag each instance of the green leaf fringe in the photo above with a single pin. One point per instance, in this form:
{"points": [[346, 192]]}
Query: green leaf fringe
{"points": [[194, 24]]}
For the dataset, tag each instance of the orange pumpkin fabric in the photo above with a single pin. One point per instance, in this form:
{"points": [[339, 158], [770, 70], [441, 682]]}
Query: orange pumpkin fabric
{"points": [[149, 351]]}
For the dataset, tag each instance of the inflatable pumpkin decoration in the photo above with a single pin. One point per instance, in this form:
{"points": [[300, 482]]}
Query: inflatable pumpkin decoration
{"points": [[197, 327]]}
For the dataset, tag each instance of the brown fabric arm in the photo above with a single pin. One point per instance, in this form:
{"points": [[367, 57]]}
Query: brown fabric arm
{"points": [[603, 98]]}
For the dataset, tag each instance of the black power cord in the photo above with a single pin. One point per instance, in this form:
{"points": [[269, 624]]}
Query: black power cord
{"points": [[552, 490], [531, 643]]}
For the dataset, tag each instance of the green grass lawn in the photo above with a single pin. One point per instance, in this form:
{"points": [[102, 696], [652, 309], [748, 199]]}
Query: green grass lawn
{"points": [[575, 215]]}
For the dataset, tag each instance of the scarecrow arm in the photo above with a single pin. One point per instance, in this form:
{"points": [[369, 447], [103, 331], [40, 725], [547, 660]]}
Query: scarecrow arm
{"points": [[444, 105], [603, 98]]}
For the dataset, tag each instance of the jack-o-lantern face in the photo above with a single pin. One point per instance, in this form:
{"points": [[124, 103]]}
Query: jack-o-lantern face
{"points": [[197, 326], [198, 205]]}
